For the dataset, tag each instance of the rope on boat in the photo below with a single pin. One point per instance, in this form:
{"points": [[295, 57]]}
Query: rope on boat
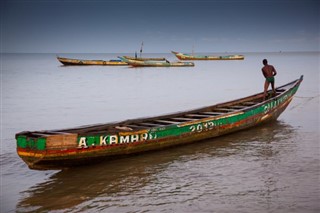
{"points": [[307, 100]]}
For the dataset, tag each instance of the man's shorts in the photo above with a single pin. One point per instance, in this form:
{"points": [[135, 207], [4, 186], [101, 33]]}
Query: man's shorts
{"points": [[270, 79]]}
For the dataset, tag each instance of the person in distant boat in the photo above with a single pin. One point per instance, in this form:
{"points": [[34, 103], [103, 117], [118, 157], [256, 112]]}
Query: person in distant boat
{"points": [[135, 55], [268, 72]]}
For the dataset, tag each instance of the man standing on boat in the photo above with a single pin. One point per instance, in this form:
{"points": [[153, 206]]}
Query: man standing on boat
{"points": [[269, 72]]}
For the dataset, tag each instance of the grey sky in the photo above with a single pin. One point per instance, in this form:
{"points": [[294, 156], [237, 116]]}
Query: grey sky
{"points": [[71, 26]]}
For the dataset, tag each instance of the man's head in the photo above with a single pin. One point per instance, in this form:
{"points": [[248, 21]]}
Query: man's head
{"points": [[265, 62]]}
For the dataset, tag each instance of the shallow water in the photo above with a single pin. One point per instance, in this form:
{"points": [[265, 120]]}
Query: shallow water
{"points": [[271, 168]]}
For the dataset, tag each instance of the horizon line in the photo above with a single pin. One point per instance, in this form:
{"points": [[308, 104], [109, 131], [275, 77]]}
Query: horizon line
{"points": [[280, 51]]}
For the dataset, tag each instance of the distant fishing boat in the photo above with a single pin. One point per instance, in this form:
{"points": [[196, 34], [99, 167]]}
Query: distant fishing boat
{"points": [[183, 56], [144, 59], [69, 61], [58, 149], [166, 63]]}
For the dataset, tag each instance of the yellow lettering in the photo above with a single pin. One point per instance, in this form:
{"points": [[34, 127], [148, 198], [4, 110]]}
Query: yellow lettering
{"points": [[124, 139], [82, 143], [144, 136], [103, 140], [113, 139], [134, 138]]}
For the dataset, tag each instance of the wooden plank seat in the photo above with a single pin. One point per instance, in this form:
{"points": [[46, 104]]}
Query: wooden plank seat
{"points": [[184, 119], [224, 109], [213, 113], [167, 122], [249, 103], [197, 115], [141, 125], [134, 126], [237, 107], [151, 124]]}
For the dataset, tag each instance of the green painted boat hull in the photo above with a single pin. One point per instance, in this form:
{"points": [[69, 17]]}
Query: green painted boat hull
{"points": [[99, 143]]}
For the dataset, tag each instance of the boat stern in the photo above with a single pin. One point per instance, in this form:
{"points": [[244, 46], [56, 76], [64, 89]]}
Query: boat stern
{"points": [[36, 150]]}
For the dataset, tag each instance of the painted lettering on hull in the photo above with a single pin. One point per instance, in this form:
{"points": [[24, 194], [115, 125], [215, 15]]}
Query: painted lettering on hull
{"points": [[103, 140]]}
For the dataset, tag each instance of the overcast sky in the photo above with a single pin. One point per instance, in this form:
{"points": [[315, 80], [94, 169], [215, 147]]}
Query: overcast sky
{"points": [[119, 26]]}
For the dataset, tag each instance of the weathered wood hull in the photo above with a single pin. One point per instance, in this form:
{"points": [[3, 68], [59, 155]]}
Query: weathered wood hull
{"points": [[69, 61], [136, 63], [83, 145], [144, 59], [183, 56]]}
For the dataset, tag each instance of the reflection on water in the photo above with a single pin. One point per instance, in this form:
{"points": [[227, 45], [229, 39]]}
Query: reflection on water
{"points": [[127, 179]]}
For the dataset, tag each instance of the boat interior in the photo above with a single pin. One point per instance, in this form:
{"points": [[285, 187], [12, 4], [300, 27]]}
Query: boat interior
{"points": [[218, 110]]}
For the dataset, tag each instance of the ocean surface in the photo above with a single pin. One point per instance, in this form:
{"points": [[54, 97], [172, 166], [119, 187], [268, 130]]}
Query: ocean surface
{"points": [[271, 168]]}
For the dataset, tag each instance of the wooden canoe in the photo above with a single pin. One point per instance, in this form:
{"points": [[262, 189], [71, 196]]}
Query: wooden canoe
{"points": [[144, 59], [183, 56], [166, 63], [58, 149], [69, 61]]}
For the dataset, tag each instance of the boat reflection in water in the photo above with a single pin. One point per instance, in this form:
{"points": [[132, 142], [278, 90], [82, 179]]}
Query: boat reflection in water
{"points": [[133, 182]]}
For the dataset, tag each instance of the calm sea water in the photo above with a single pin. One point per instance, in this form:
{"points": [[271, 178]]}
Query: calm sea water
{"points": [[271, 168]]}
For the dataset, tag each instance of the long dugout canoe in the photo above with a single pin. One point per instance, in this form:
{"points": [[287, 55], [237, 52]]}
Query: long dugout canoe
{"points": [[144, 58], [58, 149], [69, 61], [166, 63], [183, 56]]}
